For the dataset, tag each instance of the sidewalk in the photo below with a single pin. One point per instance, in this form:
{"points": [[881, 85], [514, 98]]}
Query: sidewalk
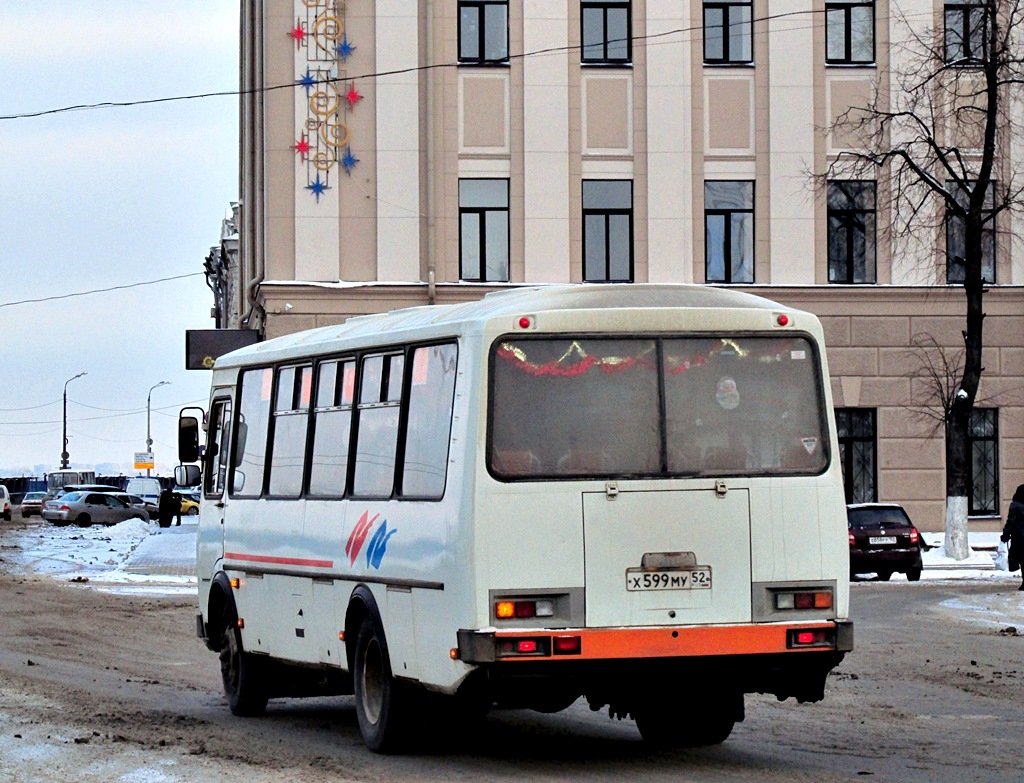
{"points": [[169, 551], [983, 548]]}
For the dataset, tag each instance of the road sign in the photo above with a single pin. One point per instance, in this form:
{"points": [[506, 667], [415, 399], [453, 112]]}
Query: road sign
{"points": [[144, 460]]}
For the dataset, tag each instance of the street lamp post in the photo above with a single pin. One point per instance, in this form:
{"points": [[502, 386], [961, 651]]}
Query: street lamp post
{"points": [[149, 440], [64, 453]]}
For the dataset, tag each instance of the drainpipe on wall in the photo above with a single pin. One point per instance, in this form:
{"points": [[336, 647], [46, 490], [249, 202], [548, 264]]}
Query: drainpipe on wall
{"points": [[431, 273]]}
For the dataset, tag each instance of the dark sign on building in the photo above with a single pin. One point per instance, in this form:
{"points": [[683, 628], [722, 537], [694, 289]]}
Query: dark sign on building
{"points": [[203, 346]]}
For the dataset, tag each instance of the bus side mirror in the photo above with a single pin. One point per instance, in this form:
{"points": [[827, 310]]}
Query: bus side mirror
{"points": [[188, 439], [186, 475]]}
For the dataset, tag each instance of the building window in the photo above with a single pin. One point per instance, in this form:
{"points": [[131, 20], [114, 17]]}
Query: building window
{"points": [[849, 32], [483, 230], [857, 450], [608, 231], [728, 33], [729, 232], [966, 24], [483, 31], [983, 435], [851, 232], [956, 230], [606, 32]]}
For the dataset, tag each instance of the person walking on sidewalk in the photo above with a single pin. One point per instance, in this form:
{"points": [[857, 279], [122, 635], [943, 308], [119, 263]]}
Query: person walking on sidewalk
{"points": [[1014, 532]]}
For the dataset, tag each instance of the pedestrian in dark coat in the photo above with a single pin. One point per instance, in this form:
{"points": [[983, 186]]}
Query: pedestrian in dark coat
{"points": [[167, 506], [1014, 532]]}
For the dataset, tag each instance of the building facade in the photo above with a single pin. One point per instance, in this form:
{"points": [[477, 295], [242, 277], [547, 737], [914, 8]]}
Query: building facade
{"points": [[410, 152]]}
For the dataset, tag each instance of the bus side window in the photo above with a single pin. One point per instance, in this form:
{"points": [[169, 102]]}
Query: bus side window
{"points": [[217, 448], [431, 396], [251, 433], [380, 399]]}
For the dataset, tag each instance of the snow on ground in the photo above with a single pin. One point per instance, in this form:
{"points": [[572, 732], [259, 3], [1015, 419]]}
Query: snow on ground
{"points": [[132, 556]]}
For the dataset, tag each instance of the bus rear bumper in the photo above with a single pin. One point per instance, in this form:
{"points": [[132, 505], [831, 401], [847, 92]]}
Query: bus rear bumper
{"points": [[611, 644]]}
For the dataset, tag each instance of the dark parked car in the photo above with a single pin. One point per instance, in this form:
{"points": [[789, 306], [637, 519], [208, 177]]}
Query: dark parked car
{"points": [[32, 503], [883, 541]]}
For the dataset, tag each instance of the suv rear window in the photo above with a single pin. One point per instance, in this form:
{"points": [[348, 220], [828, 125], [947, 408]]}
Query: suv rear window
{"points": [[878, 517]]}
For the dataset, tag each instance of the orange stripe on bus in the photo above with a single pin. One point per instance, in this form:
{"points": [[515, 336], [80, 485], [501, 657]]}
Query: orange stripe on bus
{"points": [[295, 561], [612, 643]]}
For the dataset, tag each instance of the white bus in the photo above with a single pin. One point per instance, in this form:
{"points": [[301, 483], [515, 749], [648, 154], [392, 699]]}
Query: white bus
{"points": [[627, 493]]}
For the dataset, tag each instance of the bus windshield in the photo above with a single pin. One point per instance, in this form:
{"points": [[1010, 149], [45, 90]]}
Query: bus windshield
{"points": [[587, 407]]}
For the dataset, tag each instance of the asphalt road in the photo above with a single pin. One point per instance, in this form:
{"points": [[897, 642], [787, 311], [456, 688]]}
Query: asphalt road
{"points": [[101, 687]]}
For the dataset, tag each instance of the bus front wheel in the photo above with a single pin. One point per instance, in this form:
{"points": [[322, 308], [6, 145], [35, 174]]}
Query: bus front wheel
{"points": [[380, 700], [242, 672]]}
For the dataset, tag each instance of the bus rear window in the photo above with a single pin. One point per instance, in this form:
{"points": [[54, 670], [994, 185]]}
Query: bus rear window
{"points": [[593, 407]]}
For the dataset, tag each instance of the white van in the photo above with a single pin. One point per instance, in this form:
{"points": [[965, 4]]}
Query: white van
{"points": [[146, 487]]}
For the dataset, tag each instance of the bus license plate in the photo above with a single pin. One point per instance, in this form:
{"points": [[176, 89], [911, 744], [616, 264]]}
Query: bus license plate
{"points": [[669, 579], [882, 540]]}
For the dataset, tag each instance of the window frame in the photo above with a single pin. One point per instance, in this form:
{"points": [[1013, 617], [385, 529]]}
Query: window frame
{"points": [[481, 42], [664, 471], [724, 6], [974, 442], [848, 215], [605, 6], [968, 59], [847, 9], [988, 236], [215, 482], [407, 352], [727, 213], [845, 447], [607, 213], [482, 214]]}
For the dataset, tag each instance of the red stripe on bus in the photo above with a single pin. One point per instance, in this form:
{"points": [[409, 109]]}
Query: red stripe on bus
{"points": [[295, 561], [669, 642]]}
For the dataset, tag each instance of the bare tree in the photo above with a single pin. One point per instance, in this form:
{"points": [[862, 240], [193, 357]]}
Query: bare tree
{"points": [[936, 135]]}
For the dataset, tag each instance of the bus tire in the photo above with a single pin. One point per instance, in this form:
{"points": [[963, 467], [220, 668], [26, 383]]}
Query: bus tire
{"points": [[243, 673], [381, 702], [661, 724]]}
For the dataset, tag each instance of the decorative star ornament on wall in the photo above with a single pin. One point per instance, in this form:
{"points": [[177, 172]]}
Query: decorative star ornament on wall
{"points": [[302, 146], [307, 81], [317, 188], [344, 48], [353, 96], [349, 160], [298, 33]]}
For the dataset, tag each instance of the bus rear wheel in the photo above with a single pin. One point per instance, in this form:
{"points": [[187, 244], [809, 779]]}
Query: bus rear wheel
{"points": [[381, 702], [708, 720], [243, 673]]}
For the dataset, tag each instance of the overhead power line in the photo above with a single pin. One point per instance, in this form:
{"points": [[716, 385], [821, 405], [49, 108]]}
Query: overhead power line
{"points": [[99, 290], [639, 40]]}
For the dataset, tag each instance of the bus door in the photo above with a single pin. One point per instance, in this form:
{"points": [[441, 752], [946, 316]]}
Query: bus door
{"points": [[667, 557], [218, 445]]}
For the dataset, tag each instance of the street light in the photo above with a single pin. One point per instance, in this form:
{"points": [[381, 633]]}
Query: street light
{"points": [[149, 440], [64, 454]]}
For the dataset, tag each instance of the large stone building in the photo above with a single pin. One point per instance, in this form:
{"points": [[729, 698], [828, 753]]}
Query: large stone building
{"points": [[407, 152]]}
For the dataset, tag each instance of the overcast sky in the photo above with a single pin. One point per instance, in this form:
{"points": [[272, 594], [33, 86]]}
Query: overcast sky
{"points": [[93, 199]]}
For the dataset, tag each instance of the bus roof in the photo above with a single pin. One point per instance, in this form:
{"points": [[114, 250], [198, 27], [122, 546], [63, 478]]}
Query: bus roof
{"points": [[460, 318]]}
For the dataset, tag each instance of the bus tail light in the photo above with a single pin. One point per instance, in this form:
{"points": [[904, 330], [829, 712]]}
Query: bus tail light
{"points": [[814, 637], [566, 645], [520, 610], [533, 646], [800, 600]]}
